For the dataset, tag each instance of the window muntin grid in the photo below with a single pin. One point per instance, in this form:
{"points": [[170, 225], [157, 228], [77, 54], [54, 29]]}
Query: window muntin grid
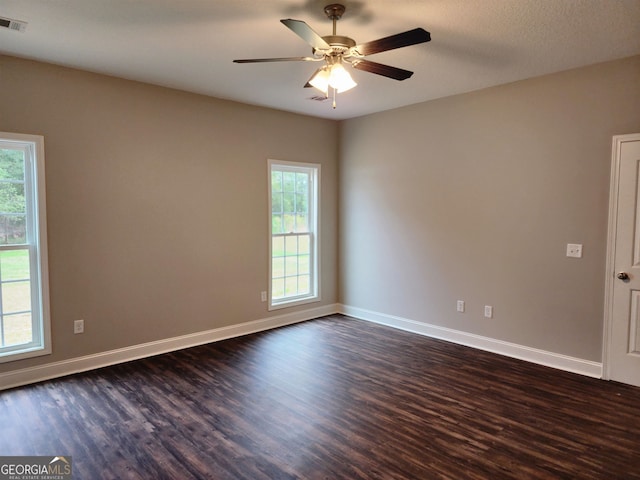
{"points": [[24, 320], [293, 212]]}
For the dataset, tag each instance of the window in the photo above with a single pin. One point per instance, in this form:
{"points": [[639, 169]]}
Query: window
{"points": [[24, 298], [293, 202]]}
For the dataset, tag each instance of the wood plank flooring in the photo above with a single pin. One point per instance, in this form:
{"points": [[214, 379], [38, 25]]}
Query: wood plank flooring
{"points": [[333, 398]]}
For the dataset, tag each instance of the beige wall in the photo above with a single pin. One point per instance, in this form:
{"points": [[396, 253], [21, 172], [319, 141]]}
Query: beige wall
{"points": [[158, 219], [475, 197], [157, 203]]}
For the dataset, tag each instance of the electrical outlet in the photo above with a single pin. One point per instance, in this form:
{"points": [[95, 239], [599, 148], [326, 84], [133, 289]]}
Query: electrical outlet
{"points": [[574, 250], [263, 296], [460, 306], [78, 326], [488, 311]]}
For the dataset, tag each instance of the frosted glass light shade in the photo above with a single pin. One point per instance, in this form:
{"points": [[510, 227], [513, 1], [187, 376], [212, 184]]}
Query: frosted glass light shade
{"points": [[340, 78], [321, 81]]}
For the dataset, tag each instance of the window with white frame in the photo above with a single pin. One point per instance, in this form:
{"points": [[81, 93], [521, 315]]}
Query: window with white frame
{"points": [[293, 206], [24, 297]]}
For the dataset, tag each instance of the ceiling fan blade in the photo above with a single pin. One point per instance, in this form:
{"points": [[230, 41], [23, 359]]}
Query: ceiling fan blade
{"points": [[285, 59], [405, 39], [305, 32], [380, 69]]}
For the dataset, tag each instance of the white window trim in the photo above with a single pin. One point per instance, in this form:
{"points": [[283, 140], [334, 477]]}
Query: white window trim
{"points": [[315, 295], [35, 145]]}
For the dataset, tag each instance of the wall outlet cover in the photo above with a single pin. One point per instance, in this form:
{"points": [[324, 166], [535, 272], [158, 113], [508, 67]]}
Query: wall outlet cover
{"points": [[78, 326], [574, 250]]}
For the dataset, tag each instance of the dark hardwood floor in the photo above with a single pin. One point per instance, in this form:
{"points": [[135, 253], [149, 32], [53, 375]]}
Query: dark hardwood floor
{"points": [[333, 398]]}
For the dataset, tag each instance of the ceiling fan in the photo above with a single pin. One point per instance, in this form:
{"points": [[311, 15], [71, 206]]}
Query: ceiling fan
{"points": [[336, 50]]}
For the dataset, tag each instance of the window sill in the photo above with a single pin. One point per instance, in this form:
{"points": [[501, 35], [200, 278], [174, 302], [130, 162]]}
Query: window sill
{"points": [[24, 353], [294, 302]]}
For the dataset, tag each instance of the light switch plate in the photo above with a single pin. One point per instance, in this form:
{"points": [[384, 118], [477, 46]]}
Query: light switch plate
{"points": [[574, 250]]}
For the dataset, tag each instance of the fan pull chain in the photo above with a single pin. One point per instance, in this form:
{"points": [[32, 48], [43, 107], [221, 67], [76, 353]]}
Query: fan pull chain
{"points": [[334, 98]]}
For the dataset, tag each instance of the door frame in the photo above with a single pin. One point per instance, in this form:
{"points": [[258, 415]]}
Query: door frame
{"points": [[618, 140]]}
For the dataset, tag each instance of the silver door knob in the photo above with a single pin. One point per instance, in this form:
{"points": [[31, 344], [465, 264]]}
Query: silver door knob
{"points": [[623, 276]]}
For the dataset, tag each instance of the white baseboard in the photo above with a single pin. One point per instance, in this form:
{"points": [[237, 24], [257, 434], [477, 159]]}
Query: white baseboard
{"points": [[48, 371], [90, 362], [521, 352]]}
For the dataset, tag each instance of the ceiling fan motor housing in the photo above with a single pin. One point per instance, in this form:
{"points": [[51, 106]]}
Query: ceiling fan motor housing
{"points": [[339, 43]]}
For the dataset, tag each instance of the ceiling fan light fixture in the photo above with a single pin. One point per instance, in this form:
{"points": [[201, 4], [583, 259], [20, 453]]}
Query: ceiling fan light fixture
{"points": [[321, 80], [340, 79]]}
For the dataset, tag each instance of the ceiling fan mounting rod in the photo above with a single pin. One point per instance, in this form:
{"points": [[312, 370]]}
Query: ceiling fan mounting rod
{"points": [[334, 11], [339, 44]]}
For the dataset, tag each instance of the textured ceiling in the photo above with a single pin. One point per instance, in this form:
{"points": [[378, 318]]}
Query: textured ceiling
{"points": [[190, 44]]}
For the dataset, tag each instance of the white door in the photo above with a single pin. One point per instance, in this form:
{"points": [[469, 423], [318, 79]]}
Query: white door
{"points": [[622, 316]]}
